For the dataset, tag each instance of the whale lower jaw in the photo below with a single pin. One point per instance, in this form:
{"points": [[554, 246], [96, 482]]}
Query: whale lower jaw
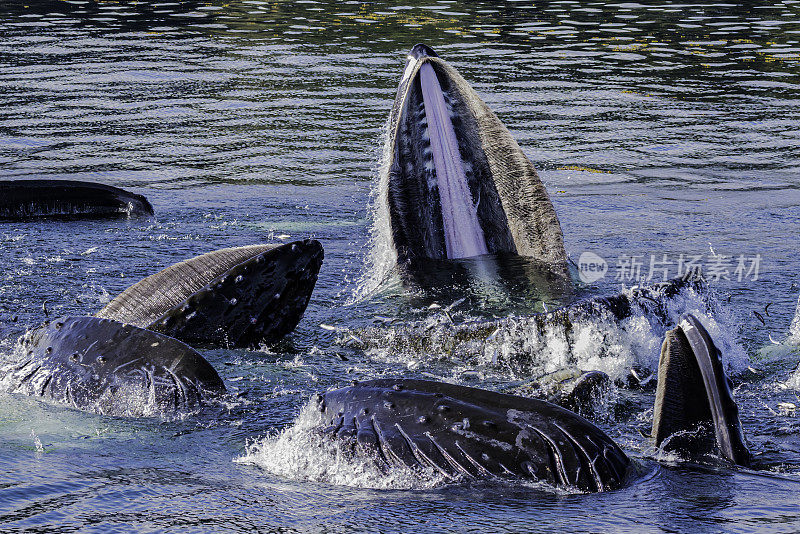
{"points": [[237, 297], [103, 366], [694, 409], [466, 433]]}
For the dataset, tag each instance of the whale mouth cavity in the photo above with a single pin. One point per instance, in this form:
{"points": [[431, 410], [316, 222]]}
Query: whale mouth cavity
{"points": [[442, 196]]}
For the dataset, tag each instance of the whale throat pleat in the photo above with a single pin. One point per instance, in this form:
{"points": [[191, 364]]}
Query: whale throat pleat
{"points": [[463, 234]]}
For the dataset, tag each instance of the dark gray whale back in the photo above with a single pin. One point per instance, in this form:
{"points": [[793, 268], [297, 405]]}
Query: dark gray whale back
{"points": [[106, 367], [465, 432], [27, 199], [513, 207], [236, 296]]}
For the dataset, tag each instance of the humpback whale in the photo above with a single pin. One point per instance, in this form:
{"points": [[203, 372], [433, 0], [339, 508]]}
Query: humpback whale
{"points": [[126, 359], [102, 366], [237, 297], [454, 182], [460, 432], [694, 408], [464, 432], [68, 199]]}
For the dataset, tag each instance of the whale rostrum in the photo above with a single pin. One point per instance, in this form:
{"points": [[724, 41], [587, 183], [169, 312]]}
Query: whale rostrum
{"points": [[236, 296], [464, 432], [103, 366]]}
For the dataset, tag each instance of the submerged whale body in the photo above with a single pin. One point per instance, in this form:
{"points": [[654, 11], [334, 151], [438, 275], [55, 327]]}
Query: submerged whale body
{"points": [[103, 366], [68, 199], [237, 297], [518, 342], [454, 182], [464, 432]]}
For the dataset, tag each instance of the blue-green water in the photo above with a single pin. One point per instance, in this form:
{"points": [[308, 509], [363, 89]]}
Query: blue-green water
{"points": [[658, 129]]}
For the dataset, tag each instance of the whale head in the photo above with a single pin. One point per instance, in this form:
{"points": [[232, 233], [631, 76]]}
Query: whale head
{"points": [[454, 182]]}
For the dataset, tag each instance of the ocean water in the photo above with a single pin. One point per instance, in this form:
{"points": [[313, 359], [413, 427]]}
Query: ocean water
{"points": [[666, 134]]}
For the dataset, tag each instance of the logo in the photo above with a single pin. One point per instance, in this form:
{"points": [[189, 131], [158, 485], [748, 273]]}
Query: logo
{"points": [[591, 267]]}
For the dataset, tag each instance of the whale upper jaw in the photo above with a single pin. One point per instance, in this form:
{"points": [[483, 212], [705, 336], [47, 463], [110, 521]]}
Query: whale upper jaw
{"points": [[512, 208]]}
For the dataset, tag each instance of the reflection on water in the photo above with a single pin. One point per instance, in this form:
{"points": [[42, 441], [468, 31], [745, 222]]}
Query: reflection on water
{"points": [[668, 129]]}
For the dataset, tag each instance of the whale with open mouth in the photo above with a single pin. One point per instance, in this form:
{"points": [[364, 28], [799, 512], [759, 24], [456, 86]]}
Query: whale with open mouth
{"points": [[460, 433], [132, 359], [454, 182]]}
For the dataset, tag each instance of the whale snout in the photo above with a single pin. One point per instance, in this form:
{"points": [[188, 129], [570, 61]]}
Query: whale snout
{"points": [[420, 51]]}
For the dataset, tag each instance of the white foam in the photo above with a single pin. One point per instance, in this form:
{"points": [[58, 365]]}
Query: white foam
{"points": [[794, 329], [301, 452], [525, 347]]}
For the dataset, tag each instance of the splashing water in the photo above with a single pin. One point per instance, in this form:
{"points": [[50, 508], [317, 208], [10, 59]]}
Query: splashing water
{"points": [[794, 328], [302, 452], [540, 344]]}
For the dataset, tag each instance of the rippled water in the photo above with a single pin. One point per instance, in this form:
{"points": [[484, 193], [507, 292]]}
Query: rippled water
{"points": [[658, 129]]}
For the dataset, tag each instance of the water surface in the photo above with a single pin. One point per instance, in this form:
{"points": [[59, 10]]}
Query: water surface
{"points": [[658, 129]]}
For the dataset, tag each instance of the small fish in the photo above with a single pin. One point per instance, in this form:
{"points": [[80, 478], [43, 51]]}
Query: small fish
{"points": [[44, 309], [649, 298], [760, 317], [329, 328], [493, 335], [358, 340], [772, 340], [456, 303], [766, 309]]}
